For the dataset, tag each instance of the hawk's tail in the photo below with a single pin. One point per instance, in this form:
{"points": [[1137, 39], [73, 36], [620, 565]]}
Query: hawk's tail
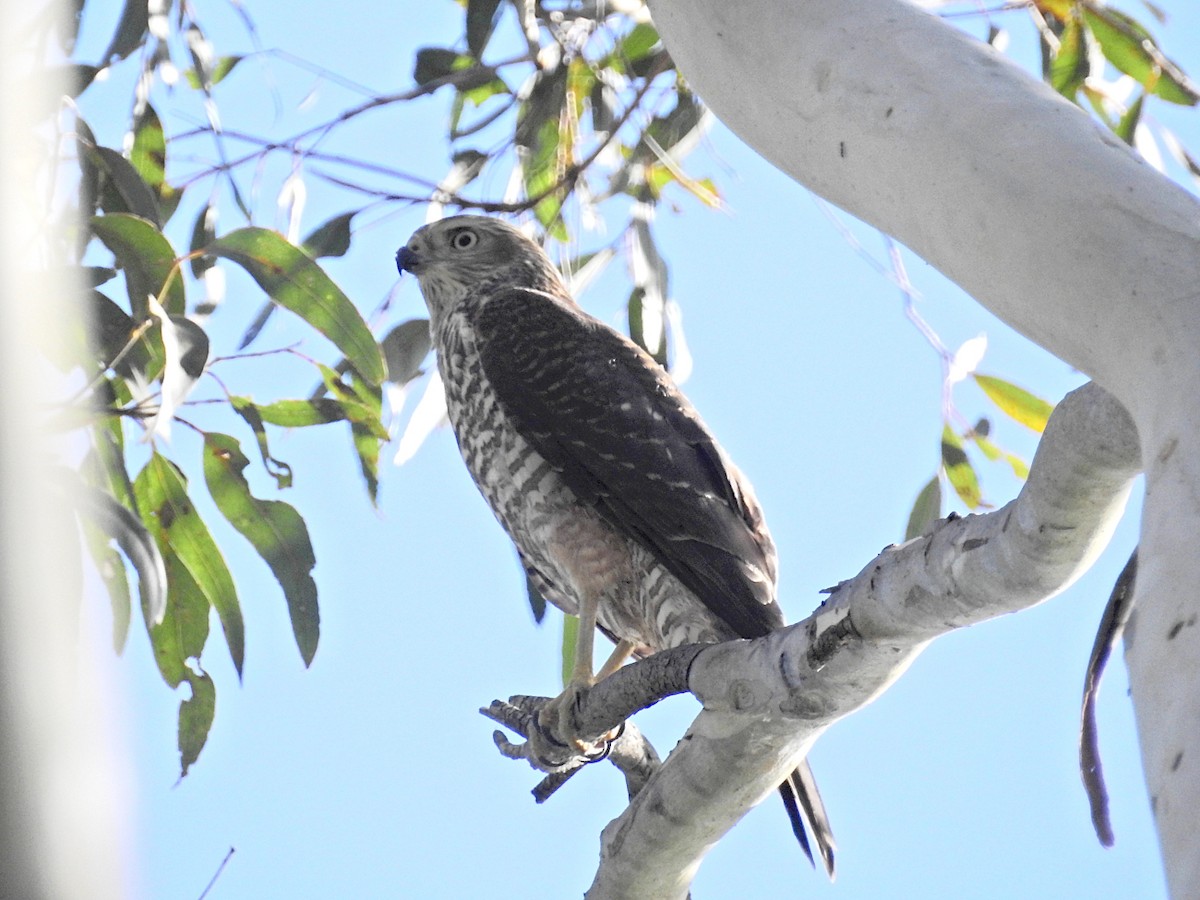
{"points": [[804, 807]]}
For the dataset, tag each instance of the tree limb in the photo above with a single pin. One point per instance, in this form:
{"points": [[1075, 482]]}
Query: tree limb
{"points": [[766, 701]]}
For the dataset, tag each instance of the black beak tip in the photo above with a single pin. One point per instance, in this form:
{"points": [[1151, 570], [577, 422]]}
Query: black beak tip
{"points": [[405, 260]]}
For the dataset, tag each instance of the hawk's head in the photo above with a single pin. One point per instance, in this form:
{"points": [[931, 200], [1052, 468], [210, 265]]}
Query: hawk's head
{"points": [[453, 258]]}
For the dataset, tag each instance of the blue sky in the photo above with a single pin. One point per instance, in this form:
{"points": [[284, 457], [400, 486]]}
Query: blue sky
{"points": [[372, 775]]}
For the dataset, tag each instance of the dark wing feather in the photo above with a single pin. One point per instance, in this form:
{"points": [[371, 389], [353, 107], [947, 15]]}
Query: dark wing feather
{"points": [[611, 422]]}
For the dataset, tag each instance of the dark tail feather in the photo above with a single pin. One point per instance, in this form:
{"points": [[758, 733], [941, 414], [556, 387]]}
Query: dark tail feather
{"points": [[803, 803]]}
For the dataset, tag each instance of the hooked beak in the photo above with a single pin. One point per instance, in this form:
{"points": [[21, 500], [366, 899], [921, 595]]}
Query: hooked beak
{"points": [[407, 260]]}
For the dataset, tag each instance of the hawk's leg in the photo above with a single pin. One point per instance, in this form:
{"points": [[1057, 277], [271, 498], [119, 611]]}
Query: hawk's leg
{"points": [[558, 713], [621, 652]]}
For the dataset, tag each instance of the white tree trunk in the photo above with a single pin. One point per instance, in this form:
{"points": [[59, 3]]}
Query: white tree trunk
{"points": [[1047, 220], [60, 827]]}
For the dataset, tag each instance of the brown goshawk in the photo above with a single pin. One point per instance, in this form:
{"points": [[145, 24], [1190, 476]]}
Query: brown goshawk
{"points": [[624, 509]]}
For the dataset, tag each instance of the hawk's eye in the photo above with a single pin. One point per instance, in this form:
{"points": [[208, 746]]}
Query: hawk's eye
{"points": [[464, 240]]}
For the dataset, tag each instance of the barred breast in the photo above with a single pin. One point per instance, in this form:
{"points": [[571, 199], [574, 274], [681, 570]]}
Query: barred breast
{"points": [[565, 545]]}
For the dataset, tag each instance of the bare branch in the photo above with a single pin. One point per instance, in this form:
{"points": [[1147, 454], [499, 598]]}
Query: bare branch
{"points": [[766, 701]]}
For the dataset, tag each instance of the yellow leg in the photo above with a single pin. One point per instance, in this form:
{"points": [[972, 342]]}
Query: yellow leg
{"points": [[581, 672], [559, 710], [620, 653]]}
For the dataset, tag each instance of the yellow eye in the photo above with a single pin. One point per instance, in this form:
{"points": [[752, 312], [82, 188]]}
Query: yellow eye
{"points": [[464, 239]]}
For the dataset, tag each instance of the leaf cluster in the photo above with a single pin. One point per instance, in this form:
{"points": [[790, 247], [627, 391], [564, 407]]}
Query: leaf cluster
{"points": [[577, 107]]}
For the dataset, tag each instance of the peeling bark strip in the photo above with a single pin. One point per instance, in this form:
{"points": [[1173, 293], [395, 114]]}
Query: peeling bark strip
{"points": [[1112, 625], [766, 701]]}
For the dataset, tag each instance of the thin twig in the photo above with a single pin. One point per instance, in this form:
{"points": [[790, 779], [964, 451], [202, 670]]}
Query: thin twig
{"points": [[217, 874]]}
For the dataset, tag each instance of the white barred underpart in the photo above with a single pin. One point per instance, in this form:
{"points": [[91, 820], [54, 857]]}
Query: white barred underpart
{"points": [[542, 515]]}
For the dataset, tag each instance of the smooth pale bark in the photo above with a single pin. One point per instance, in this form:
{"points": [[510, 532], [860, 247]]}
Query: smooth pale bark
{"points": [[60, 834], [1047, 220], [766, 701]]}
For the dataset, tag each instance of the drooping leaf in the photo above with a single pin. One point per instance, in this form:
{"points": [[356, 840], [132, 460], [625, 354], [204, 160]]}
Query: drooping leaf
{"points": [[1022, 406], [959, 470], [302, 413], [111, 570], [546, 151], [436, 62], [404, 348], [1069, 67], [652, 339], [926, 510], [583, 270], [1132, 50], [362, 402], [220, 68], [131, 31], [368, 447], [295, 282], [122, 189], [331, 238], [252, 414], [274, 529], [138, 546], [147, 259], [196, 716], [537, 603], [254, 329], [570, 641], [184, 629], [148, 156], [204, 232], [638, 44], [163, 500], [481, 21], [665, 132], [1127, 126], [76, 78]]}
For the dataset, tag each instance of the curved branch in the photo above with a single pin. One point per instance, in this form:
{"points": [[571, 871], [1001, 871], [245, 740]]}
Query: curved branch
{"points": [[766, 701]]}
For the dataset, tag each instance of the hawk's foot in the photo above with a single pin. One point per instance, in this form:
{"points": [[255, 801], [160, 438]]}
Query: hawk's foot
{"points": [[555, 737]]}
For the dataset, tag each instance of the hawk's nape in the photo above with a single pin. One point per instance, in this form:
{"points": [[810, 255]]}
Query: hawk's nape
{"points": [[624, 508]]}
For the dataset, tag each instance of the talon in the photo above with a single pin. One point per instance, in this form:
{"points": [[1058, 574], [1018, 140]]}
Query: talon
{"points": [[607, 741]]}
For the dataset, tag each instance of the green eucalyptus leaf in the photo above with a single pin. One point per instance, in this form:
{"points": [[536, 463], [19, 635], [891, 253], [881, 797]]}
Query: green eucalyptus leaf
{"points": [[481, 21], [639, 43], [926, 510], [274, 529], [136, 543], [1132, 50], [405, 348], [570, 642], [222, 67], [252, 414], [196, 716], [303, 413], [435, 62], [537, 603], [295, 282], [123, 189], [147, 259], [1127, 126], [1069, 66], [204, 232], [131, 31], [1020, 405], [331, 238], [959, 470], [170, 515]]}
